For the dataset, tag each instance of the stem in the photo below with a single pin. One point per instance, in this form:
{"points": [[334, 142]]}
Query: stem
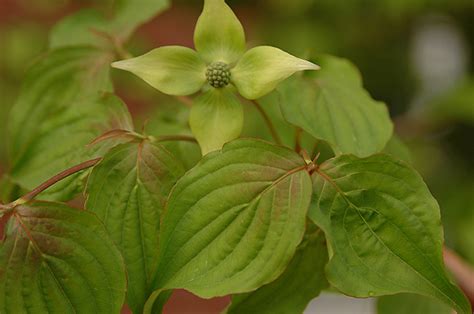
{"points": [[269, 123], [187, 101], [50, 182], [462, 271], [168, 138], [299, 133], [116, 43], [315, 147]]}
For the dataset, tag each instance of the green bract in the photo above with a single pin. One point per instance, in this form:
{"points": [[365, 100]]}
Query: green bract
{"points": [[220, 65]]}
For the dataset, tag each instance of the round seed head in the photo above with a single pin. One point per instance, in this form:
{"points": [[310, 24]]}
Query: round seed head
{"points": [[218, 74]]}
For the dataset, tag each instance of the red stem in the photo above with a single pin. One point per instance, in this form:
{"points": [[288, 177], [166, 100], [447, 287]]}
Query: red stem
{"points": [[66, 173]]}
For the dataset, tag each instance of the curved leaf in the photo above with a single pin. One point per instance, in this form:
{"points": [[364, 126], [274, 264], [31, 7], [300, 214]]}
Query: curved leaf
{"points": [[219, 36], [301, 282], [128, 190], [173, 70], [216, 118], [384, 230], [234, 221], [332, 105], [61, 109], [262, 68], [57, 259]]}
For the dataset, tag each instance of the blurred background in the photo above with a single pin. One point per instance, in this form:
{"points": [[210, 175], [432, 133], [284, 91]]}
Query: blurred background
{"points": [[415, 55]]}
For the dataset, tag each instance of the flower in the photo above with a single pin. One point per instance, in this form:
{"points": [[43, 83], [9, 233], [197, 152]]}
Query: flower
{"points": [[218, 68]]}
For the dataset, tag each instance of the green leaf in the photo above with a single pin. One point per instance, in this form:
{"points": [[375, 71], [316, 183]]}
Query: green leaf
{"points": [[262, 68], [384, 229], [94, 26], [57, 259], [301, 282], [332, 105], [255, 127], [171, 117], [80, 28], [398, 149], [61, 109], [128, 190], [233, 222], [216, 118], [129, 14], [410, 304], [219, 36], [173, 70]]}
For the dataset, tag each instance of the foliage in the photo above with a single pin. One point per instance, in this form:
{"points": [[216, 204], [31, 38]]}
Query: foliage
{"points": [[321, 193]]}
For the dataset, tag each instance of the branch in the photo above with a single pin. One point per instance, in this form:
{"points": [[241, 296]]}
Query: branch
{"points": [[187, 101], [269, 123], [50, 182]]}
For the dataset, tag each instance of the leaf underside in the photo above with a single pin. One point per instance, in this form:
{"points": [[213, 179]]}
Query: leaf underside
{"points": [[332, 105], [384, 230]]}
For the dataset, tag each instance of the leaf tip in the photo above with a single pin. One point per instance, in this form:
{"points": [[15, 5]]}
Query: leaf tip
{"points": [[307, 65], [122, 64]]}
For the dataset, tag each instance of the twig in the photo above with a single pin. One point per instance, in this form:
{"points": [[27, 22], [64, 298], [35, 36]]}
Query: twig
{"points": [[269, 123], [187, 101], [168, 138], [299, 133], [116, 43], [50, 182], [462, 271]]}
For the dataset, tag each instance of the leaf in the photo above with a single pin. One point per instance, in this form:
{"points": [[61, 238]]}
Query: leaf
{"points": [[301, 282], [61, 109], [129, 14], [233, 222], [216, 118], [255, 126], [128, 190], [80, 28], [57, 259], [332, 105], [398, 149], [171, 117], [218, 35], [384, 229], [410, 304], [262, 68], [173, 70], [94, 26]]}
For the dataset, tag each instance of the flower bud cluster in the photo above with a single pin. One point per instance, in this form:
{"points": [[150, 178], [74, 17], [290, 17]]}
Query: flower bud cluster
{"points": [[218, 74]]}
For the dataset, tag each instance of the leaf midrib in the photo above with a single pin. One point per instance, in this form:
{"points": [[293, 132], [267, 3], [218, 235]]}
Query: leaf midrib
{"points": [[40, 253], [346, 199], [278, 180]]}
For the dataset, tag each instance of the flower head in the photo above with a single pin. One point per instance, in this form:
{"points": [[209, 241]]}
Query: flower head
{"points": [[218, 68]]}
